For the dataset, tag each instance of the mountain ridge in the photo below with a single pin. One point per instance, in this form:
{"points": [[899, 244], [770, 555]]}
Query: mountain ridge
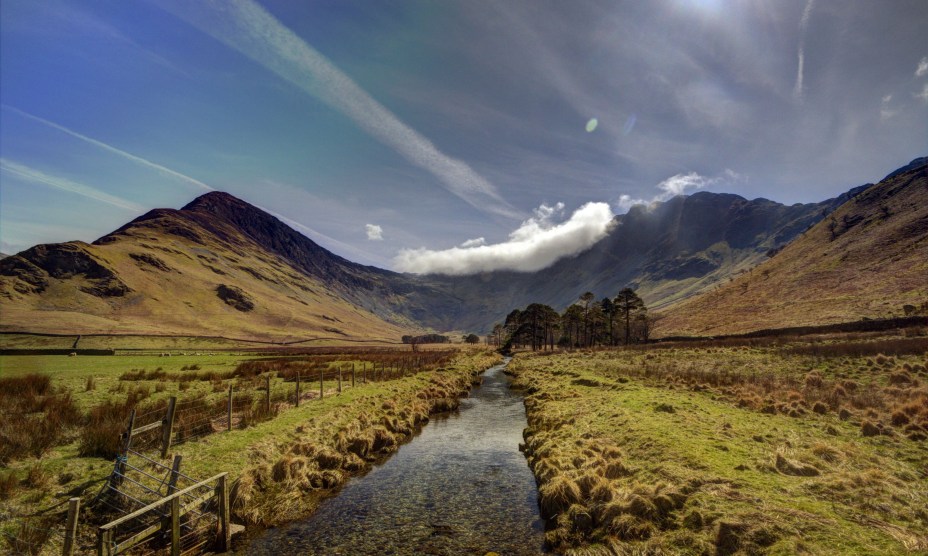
{"points": [[653, 249], [243, 259]]}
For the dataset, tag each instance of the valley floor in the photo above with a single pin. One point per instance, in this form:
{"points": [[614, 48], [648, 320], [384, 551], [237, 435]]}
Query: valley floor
{"points": [[281, 465], [783, 448]]}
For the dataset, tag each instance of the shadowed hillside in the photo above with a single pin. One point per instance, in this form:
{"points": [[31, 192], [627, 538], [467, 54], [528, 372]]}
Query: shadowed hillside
{"points": [[868, 259], [667, 252]]}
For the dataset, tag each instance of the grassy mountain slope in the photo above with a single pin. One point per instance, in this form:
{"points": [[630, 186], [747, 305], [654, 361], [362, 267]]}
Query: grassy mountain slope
{"points": [[212, 267], [868, 259]]}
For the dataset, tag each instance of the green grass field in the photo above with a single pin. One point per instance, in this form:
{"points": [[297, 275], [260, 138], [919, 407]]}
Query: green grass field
{"points": [[665, 451], [73, 373]]}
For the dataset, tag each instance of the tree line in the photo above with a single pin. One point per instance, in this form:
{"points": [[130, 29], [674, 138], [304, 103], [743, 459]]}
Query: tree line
{"points": [[621, 320], [426, 339]]}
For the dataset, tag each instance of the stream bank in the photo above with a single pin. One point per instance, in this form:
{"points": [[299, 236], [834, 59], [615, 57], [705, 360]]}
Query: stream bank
{"points": [[460, 487]]}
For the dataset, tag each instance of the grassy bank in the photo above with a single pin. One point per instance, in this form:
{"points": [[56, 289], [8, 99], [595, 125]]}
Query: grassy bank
{"points": [[281, 466], [778, 449], [320, 445]]}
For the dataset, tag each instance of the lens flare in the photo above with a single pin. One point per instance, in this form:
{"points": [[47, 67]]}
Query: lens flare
{"points": [[591, 125], [629, 124]]}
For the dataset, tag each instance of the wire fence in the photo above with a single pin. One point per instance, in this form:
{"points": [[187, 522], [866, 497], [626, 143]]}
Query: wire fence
{"points": [[151, 507], [257, 391], [261, 391]]}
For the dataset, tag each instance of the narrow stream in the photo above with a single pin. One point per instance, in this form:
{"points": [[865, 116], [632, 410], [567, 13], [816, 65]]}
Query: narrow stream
{"points": [[459, 487]]}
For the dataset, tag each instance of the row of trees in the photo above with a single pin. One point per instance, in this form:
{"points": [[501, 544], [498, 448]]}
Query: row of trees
{"points": [[426, 339], [621, 320]]}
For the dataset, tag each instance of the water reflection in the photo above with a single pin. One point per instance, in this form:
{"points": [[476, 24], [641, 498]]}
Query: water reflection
{"points": [[460, 487]]}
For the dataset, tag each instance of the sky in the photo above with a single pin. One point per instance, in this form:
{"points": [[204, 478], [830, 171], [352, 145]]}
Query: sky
{"points": [[451, 137]]}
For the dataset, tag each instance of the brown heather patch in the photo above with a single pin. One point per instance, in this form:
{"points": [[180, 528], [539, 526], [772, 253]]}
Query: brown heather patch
{"points": [[34, 416], [8, 484]]}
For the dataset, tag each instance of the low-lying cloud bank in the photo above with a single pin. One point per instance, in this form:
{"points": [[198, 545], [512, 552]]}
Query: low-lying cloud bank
{"points": [[536, 244], [678, 185]]}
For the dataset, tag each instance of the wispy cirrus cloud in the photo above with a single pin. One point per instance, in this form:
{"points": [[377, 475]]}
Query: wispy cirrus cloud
{"points": [[799, 87], [37, 176], [247, 27], [538, 243], [924, 94], [111, 149], [886, 110]]}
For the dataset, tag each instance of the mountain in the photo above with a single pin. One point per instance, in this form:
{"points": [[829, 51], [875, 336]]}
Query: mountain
{"points": [[868, 259], [220, 266], [216, 266], [668, 252]]}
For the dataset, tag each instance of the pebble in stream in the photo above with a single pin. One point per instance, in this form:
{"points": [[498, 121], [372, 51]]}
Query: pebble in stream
{"points": [[460, 487]]}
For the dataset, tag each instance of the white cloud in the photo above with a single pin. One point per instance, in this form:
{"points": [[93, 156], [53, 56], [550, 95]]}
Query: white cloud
{"points": [[886, 112], [64, 184], [374, 232], [673, 186], [924, 94], [247, 27], [535, 245], [109, 148], [476, 242], [922, 69]]}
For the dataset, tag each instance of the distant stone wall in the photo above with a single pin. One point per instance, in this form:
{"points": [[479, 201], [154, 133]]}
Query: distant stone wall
{"points": [[867, 325], [57, 351]]}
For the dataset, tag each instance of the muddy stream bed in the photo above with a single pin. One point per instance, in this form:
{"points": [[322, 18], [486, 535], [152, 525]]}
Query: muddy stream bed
{"points": [[461, 486]]}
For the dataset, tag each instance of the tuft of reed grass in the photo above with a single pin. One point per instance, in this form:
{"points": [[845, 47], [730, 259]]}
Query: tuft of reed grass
{"points": [[558, 494]]}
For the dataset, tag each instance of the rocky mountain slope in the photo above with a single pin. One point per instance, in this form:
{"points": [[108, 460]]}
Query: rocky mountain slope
{"points": [[868, 259], [668, 252]]}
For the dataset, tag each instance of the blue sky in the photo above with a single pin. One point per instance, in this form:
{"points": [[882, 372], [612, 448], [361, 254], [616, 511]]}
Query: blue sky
{"points": [[391, 132]]}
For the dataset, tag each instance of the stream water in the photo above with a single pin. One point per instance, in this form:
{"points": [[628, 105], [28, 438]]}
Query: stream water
{"points": [[459, 487]]}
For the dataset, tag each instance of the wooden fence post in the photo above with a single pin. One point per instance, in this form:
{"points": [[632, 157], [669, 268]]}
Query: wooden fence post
{"points": [[167, 426], [229, 409], [70, 530], [105, 542], [175, 526], [352, 375], [175, 474], [121, 458], [339, 379], [267, 397], [225, 532], [321, 378], [298, 388]]}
